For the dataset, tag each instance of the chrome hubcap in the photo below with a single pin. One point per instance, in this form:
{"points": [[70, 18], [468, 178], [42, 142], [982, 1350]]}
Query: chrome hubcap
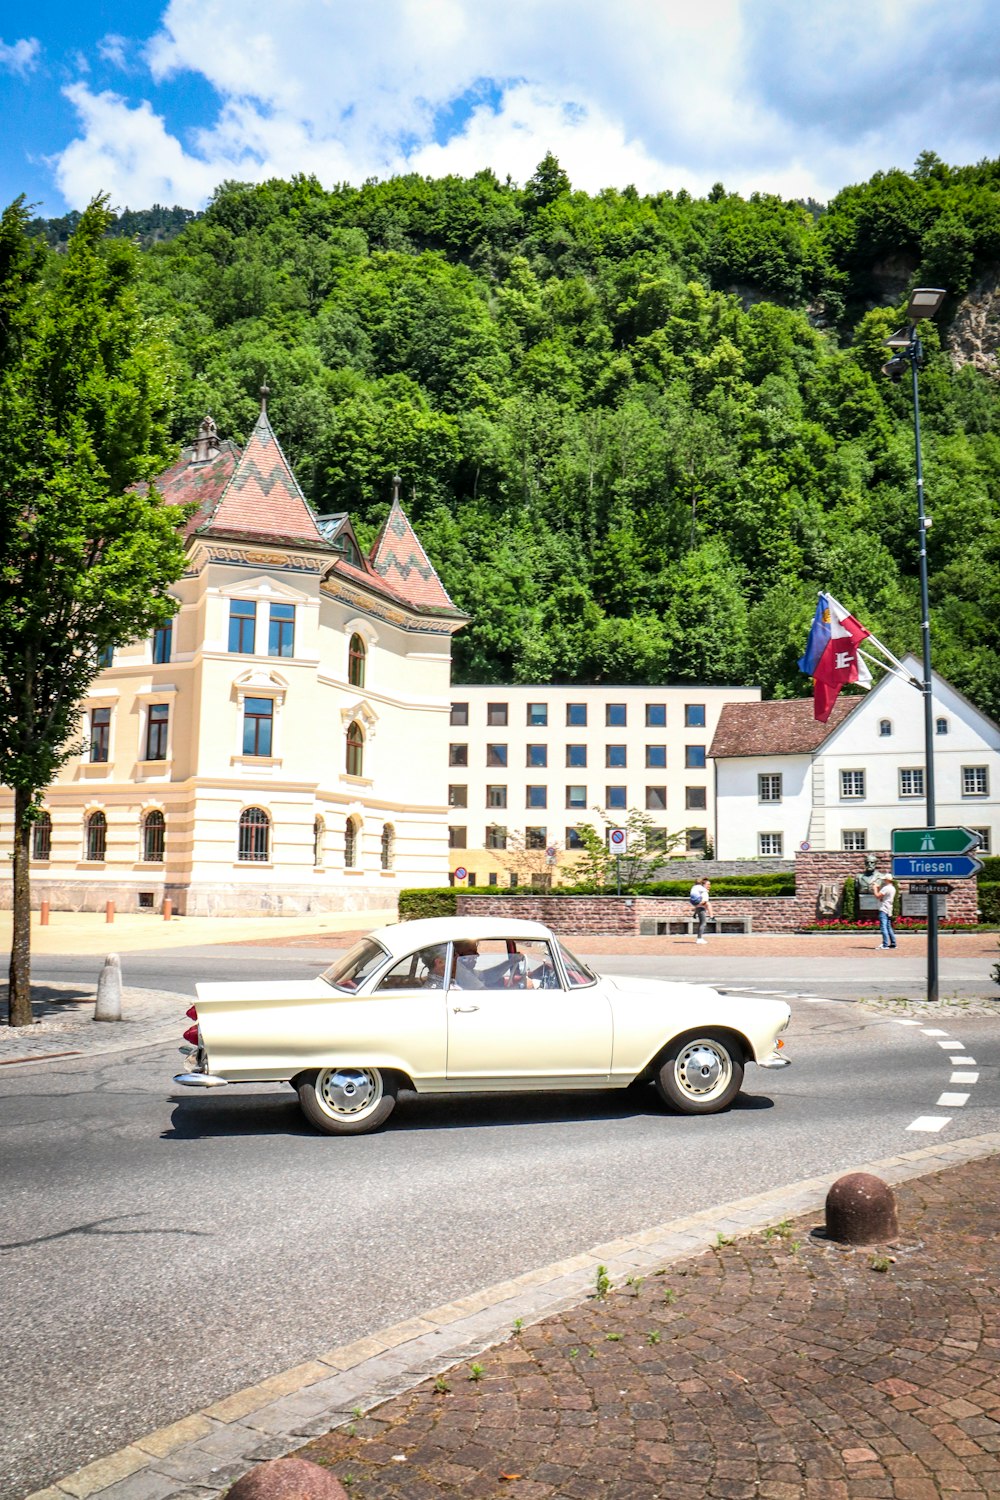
{"points": [[702, 1069], [349, 1091]]}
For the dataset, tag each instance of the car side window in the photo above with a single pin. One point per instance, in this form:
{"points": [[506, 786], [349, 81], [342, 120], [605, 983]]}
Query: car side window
{"points": [[514, 964], [577, 972], [424, 970]]}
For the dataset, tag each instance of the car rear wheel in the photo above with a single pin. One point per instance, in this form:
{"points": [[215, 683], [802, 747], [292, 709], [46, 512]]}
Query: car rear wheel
{"points": [[346, 1101], [701, 1074]]}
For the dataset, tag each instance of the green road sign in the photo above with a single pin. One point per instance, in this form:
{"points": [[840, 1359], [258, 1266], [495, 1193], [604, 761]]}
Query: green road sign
{"points": [[934, 840]]}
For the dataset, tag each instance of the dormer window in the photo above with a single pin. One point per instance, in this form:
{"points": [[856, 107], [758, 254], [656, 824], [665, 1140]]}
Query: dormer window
{"points": [[344, 544]]}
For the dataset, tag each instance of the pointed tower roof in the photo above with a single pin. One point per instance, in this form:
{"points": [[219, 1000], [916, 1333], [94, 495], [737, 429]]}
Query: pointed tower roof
{"points": [[262, 501], [402, 563]]}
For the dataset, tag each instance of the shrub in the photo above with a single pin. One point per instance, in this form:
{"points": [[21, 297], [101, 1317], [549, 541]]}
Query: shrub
{"points": [[989, 902], [439, 901]]}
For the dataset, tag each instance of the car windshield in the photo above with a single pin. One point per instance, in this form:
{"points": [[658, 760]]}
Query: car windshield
{"points": [[350, 971], [577, 971]]}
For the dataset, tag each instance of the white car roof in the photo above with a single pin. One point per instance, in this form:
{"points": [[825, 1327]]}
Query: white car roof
{"points": [[406, 937]]}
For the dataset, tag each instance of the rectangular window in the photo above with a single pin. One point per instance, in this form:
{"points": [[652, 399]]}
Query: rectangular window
{"points": [[769, 843], [534, 838], [852, 784], [258, 722], [496, 755], [538, 755], [695, 840], [491, 879], [106, 658], [576, 714], [100, 733], [456, 838], [41, 837], [576, 798], [656, 757], [984, 840], [573, 839], [695, 796], [694, 757], [537, 796], [940, 726], [694, 715], [538, 715], [496, 836], [458, 796], [496, 796], [911, 782], [242, 626], [576, 755], [458, 755], [156, 731], [281, 630], [615, 796], [854, 840], [769, 787], [656, 838], [656, 716], [656, 798], [459, 713], [975, 781], [615, 756], [615, 716], [163, 637], [496, 714]]}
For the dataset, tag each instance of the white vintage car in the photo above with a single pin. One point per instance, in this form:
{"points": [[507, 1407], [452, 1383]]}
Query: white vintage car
{"points": [[463, 1005]]}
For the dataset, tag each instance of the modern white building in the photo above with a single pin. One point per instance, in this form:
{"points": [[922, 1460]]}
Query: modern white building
{"points": [[783, 782], [537, 761], [281, 744]]}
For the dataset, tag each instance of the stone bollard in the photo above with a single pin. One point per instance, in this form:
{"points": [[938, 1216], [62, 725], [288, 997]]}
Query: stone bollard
{"points": [[109, 990], [43, 914], [109, 911], [288, 1479], [861, 1210]]}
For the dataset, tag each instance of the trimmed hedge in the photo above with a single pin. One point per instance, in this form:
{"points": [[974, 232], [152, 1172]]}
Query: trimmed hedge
{"points": [[441, 901], [989, 902]]}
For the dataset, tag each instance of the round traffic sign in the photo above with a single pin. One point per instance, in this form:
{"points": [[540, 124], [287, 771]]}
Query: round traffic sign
{"points": [[551, 851], [461, 873], [616, 838]]}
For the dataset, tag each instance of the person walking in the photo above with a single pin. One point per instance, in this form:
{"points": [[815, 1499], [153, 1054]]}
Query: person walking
{"points": [[885, 894], [701, 900]]}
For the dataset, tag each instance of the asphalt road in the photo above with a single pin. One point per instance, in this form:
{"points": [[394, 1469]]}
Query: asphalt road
{"points": [[162, 1248]]}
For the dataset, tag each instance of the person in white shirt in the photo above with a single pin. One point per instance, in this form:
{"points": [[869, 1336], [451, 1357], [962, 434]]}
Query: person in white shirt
{"points": [[885, 894], [701, 893]]}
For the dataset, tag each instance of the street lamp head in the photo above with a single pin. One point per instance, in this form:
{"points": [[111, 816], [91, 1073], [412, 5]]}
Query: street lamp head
{"points": [[925, 302], [899, 340], [895, 367]]}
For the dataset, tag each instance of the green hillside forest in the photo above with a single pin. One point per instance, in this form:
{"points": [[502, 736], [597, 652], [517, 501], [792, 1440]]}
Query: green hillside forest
{"points": [[636, 434]]}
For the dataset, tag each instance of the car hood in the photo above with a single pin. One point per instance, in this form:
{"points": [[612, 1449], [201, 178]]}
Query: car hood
{"points": [[671, 992]]}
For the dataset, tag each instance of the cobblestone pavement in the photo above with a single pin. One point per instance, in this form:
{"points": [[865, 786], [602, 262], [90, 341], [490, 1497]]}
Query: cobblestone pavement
{"points": [[777, 1366], [64, 1024]]}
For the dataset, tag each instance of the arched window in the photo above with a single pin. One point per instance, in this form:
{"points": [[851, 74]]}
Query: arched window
{"points": [[357, 651], [388, 845], [940, 726], [255, 835], [351, 844], [319, 829], [41, 836], [885, 727], [355, 750], [154, 828], [97, 836]]}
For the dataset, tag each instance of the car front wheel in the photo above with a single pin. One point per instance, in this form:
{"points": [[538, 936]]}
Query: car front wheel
{"points": [[701, 1074], [346, 1101]]}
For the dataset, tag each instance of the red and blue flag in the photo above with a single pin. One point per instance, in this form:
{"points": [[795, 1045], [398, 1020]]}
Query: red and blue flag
{"points": [[831, 656]]}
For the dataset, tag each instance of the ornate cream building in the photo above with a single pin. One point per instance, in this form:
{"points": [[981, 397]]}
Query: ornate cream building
{"points": [[281, 745]]}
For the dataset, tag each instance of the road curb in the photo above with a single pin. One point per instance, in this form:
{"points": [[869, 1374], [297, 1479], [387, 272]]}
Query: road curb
{"points": [[206, 1451]]}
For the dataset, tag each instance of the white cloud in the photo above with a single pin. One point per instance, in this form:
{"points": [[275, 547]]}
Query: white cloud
{"points": [[20, 56], [112, 48], [760, 94]]}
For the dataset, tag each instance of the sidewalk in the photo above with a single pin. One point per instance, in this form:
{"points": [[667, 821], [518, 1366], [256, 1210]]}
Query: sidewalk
{"points": [[89, 932], [735, 1355]]}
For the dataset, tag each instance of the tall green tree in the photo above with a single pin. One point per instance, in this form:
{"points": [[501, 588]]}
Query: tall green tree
{"points": [[86, 559]]}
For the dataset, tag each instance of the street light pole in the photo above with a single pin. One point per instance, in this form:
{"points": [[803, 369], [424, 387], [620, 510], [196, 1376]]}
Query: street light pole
{"points": [[924, 303]]}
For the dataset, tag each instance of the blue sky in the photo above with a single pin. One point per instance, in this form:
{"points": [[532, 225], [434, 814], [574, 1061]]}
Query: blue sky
{"points": [[159, 102]]}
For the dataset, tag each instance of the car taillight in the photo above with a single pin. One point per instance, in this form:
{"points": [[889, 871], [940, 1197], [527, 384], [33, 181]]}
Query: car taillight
{"points": [[192, 1013], [191, 1035]]}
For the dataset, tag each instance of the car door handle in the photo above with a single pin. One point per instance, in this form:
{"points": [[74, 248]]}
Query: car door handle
{"points": [[461, 1010]]}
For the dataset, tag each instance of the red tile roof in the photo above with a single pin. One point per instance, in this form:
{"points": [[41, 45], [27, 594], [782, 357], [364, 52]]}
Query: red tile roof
{"points": [[201, 484], [403, 564], [263, 501], [779, 727]]}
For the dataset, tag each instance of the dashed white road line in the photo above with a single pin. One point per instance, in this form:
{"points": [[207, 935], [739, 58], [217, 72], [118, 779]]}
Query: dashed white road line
{"points": [[929, 1122], [964, 1078], [957, 1058], [962, 1062], [934, 1031], [952, 1101]]}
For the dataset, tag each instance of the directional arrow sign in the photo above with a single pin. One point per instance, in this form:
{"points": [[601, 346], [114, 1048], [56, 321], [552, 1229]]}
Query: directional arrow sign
{"points": [[935, 866], [934, 840]]}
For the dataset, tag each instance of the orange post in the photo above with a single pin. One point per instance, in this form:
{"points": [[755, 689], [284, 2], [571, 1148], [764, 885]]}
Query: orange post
{"points": [[109, 911], [43, 914], [168, 909]]}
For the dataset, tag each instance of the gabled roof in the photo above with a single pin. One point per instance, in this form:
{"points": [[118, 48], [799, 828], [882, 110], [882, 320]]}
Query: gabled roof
{"points": [[262, 501], [402, 563], [779, 727]]}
